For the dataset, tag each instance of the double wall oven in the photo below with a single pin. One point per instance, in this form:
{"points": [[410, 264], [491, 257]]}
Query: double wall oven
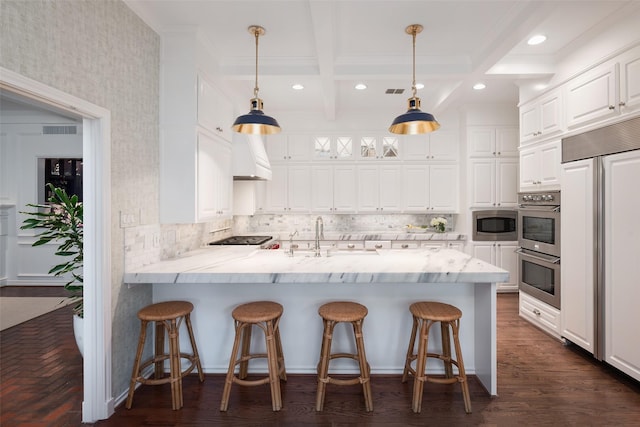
{"points": [[539, 241]]}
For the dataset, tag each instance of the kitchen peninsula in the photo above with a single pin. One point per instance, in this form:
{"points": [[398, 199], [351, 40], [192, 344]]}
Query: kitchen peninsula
{"points": [[387, 281]]}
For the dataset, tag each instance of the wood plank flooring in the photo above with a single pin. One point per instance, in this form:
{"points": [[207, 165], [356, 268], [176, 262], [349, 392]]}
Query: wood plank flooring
{"points": [[540, 382]]}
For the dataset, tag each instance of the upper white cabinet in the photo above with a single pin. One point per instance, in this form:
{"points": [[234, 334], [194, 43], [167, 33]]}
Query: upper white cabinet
{"points": [[493, 166], [541, 118], [437, 146], [333, 188], [493, 182], [540, 166], [500, 141], [215, 112], [379, 188], [333, 147], [195, 121], [430, 188], [288, 147], [288, 190], [606, 91], [374, 147]]}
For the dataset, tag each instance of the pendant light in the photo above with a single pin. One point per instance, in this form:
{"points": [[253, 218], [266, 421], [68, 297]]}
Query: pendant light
{"points": [[256, 122], [414, 121]]}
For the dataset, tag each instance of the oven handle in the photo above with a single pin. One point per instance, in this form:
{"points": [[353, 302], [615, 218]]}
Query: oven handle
{"points": [[555, 260], [539, 208]]}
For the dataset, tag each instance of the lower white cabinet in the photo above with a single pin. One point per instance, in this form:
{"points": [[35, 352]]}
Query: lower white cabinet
{"points": [[540, 166], [540, 314], [503, 255]]}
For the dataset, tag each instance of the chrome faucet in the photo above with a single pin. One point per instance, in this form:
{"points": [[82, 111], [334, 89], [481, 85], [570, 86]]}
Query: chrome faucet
{"points": [[319, 234], [291, 242]]}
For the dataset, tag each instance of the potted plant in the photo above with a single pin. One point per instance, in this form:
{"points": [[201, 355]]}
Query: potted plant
{"points": [[61, 219]]}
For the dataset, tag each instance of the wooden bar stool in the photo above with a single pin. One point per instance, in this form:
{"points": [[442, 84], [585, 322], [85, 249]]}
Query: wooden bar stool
{"points": [[332, 313], [266, 315], [168, 316], [425, 314]]}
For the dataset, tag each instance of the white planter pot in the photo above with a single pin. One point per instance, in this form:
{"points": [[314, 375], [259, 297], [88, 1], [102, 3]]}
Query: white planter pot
{"points": [[78, 331]]}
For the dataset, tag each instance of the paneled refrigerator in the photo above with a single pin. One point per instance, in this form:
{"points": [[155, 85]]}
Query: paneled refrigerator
{"points": [[600, 295]]}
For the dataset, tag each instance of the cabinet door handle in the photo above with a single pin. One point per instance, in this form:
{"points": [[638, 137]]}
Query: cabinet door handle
{"points": [[536, 312], [351, 246], [378, 246], [405, 246], [622, 103], [612, 107]]}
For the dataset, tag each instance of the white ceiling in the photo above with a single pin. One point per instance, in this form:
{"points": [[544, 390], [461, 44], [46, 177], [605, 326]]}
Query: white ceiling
{"points": [[330, 45]]}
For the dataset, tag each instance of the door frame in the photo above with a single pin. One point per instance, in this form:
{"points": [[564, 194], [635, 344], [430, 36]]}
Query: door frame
{"points": [[98, 402]]}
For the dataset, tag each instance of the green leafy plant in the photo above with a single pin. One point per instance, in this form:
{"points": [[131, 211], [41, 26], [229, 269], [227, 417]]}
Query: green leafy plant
{"points": [[62, 220]]}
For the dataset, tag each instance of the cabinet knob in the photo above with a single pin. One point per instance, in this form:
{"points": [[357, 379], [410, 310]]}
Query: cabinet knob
{"points": [[378, 246], [622, 103], [612, 107], [499, 153], [536, 312], [494, 153], [219, 129], [405, 246]]}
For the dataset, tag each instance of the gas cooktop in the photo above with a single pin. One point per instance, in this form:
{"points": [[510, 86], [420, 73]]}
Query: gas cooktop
{"points": [[242, 240]]}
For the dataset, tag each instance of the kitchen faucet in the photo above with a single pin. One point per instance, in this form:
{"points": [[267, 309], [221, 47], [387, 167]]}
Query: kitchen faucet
{"points": [[319, 234], [291, 242]]}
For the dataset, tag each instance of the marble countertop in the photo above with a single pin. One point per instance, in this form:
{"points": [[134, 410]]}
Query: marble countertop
{"points": [[377, 235], [247, 264]]}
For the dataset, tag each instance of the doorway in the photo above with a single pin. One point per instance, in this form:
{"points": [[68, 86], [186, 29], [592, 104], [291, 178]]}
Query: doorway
{"points": [[97, 396]]}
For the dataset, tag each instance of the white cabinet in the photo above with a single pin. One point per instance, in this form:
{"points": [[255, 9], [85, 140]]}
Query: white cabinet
{"points": [[621, 249], [493, 182], [541, 118], [540, 314], [540, 166], [630, 81], [333, 147], [503, 255], [438, 146], [288, 190], [333, 188], [288, 147], [214, 182], [378, 147], [432, 188], [501, 141], [379, 188], [592, 96], [215, 112], [577, 237]]}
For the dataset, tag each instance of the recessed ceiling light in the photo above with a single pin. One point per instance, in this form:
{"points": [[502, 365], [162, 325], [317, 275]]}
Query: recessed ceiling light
{"points": [[360, 86], [537, 39], [297, 86], [419, 86], [479, 86]]}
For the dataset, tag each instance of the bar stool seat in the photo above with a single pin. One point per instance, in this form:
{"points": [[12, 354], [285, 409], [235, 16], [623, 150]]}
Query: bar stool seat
{"points": [[266, 315], [425, 314], [333, 313], [168, 316]]}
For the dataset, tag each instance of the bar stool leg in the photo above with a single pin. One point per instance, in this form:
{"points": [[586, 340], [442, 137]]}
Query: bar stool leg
{"points": [[136, 363], [194, 347], [281, 367], [246, 347], [364, 365], [158, 371], [461, 372], [421, 363], [446, 349], [232, 366], [174, 365], [410, 356], [323, 366], [272, 361]]}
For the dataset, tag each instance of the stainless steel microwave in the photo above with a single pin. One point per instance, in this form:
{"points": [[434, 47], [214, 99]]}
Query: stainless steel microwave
{"points": [[495, 225]]}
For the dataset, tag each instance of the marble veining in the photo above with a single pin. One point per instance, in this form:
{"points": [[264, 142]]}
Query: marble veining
{"points": [[243, 264]]}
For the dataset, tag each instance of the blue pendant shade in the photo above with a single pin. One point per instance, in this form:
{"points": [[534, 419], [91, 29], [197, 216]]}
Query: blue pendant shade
{"points": [[414, 121], [255, 122]]}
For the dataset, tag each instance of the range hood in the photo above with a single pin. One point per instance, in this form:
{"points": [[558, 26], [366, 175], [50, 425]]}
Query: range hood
{"points": [[250, 161]]}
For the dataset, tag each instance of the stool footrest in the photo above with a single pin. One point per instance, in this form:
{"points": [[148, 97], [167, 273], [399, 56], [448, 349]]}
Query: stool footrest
{"points": [[165, 380]]}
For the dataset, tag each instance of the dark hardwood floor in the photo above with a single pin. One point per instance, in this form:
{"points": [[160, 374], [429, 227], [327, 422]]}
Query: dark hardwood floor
{"points": [[540, 382]]}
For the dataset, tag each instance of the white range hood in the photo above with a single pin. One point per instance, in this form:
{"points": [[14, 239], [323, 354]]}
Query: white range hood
{"points": [[250, 161]]}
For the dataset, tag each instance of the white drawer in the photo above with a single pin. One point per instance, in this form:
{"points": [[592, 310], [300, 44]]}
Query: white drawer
{"points": [[346, 244], [405, 245], [377, 244], [540, 314]]}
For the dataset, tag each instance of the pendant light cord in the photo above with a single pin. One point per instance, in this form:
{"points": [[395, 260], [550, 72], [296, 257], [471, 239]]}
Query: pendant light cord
{"points": [[413, 85], [255, 89]]}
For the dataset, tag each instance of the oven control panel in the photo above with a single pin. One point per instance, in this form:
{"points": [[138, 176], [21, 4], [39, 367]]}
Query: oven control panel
{"points": [[549, 198]]}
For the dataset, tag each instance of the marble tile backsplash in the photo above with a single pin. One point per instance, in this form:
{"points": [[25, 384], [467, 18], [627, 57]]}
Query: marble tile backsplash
{"points": [[287, 223]]}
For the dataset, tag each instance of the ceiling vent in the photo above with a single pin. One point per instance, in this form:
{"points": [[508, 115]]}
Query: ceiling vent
{"points": [[59, 130], [394, 91]]}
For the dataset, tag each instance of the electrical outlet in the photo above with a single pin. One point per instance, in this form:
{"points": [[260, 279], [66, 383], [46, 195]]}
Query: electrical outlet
{"points": [[128, 219]]}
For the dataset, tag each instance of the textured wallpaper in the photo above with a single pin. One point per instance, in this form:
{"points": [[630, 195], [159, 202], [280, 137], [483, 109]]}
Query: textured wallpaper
{"points": [[100, 51]]}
